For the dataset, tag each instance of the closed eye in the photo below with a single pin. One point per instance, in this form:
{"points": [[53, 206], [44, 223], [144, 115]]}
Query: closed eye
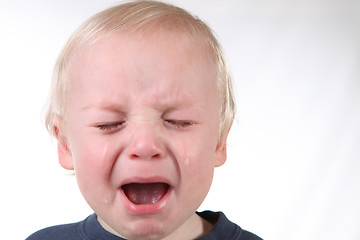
{"points": [[109, 127], [180, 123]]}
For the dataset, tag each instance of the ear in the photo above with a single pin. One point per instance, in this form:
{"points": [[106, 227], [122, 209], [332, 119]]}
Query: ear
{"points": [[64, 153], [221, 151], [220, 154]]}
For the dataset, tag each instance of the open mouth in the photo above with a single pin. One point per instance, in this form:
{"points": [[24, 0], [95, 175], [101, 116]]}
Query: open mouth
{"points": [[145, 193]]}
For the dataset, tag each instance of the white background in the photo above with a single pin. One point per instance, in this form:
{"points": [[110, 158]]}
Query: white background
{"points": [[293, 169]]}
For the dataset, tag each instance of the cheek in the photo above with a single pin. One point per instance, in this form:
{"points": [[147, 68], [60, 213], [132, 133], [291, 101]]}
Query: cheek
{"points": [[197, 171], [199, 149], [86, 152], [199, 157], [92, 161]]}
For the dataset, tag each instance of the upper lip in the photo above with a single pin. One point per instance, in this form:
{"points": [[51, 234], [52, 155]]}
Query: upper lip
{"points": [[156, 179]]}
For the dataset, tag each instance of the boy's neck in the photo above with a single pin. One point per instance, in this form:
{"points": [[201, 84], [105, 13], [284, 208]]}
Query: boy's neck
{"points": [[195, 227]]}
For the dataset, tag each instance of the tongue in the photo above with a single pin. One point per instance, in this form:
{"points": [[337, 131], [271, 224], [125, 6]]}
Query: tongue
{"points": [[145, 193]]}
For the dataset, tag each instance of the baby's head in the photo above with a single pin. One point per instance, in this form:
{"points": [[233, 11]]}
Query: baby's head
{"points": [[141, 105], [139, 17]]}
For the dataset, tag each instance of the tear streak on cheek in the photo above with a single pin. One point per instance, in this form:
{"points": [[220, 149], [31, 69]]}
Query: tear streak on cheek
{"points": [[108, 199], [187, 161]]}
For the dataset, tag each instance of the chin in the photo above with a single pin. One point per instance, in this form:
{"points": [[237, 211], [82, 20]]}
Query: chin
{"points": [[147, 232], [147, 229]]}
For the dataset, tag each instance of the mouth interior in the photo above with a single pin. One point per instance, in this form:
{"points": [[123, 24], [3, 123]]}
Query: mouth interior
{"points": [[145, 193]]}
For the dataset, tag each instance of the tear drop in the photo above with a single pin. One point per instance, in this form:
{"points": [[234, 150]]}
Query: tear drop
{"points": [[187, 161]]}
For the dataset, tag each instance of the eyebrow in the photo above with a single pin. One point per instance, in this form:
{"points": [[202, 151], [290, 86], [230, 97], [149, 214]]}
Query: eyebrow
{"points": [[119, 107], [114, 107]]}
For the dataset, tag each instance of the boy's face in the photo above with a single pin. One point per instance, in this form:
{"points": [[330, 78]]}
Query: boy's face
{"points": [[142, 126]]}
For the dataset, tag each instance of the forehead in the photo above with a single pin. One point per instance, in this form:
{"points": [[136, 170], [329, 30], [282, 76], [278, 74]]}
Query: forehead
{"points": [[142, 58], [162, 67], [177, 41]]}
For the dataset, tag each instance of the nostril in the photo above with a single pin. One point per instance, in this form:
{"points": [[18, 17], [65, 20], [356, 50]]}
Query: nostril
{"points": [[134, 156], [145, 156]]}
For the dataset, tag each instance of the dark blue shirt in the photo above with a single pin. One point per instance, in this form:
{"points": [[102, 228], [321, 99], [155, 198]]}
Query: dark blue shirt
{"points": [[90, 229]]}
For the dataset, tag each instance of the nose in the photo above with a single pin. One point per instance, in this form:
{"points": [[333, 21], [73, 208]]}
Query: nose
{"points": [[146, 144]]}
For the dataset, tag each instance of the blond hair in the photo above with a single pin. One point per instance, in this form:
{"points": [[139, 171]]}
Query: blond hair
{"points": [[132, 16]]}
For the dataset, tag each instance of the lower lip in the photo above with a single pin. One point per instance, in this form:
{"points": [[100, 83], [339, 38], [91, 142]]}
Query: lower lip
{"points": [[144, 209]]}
